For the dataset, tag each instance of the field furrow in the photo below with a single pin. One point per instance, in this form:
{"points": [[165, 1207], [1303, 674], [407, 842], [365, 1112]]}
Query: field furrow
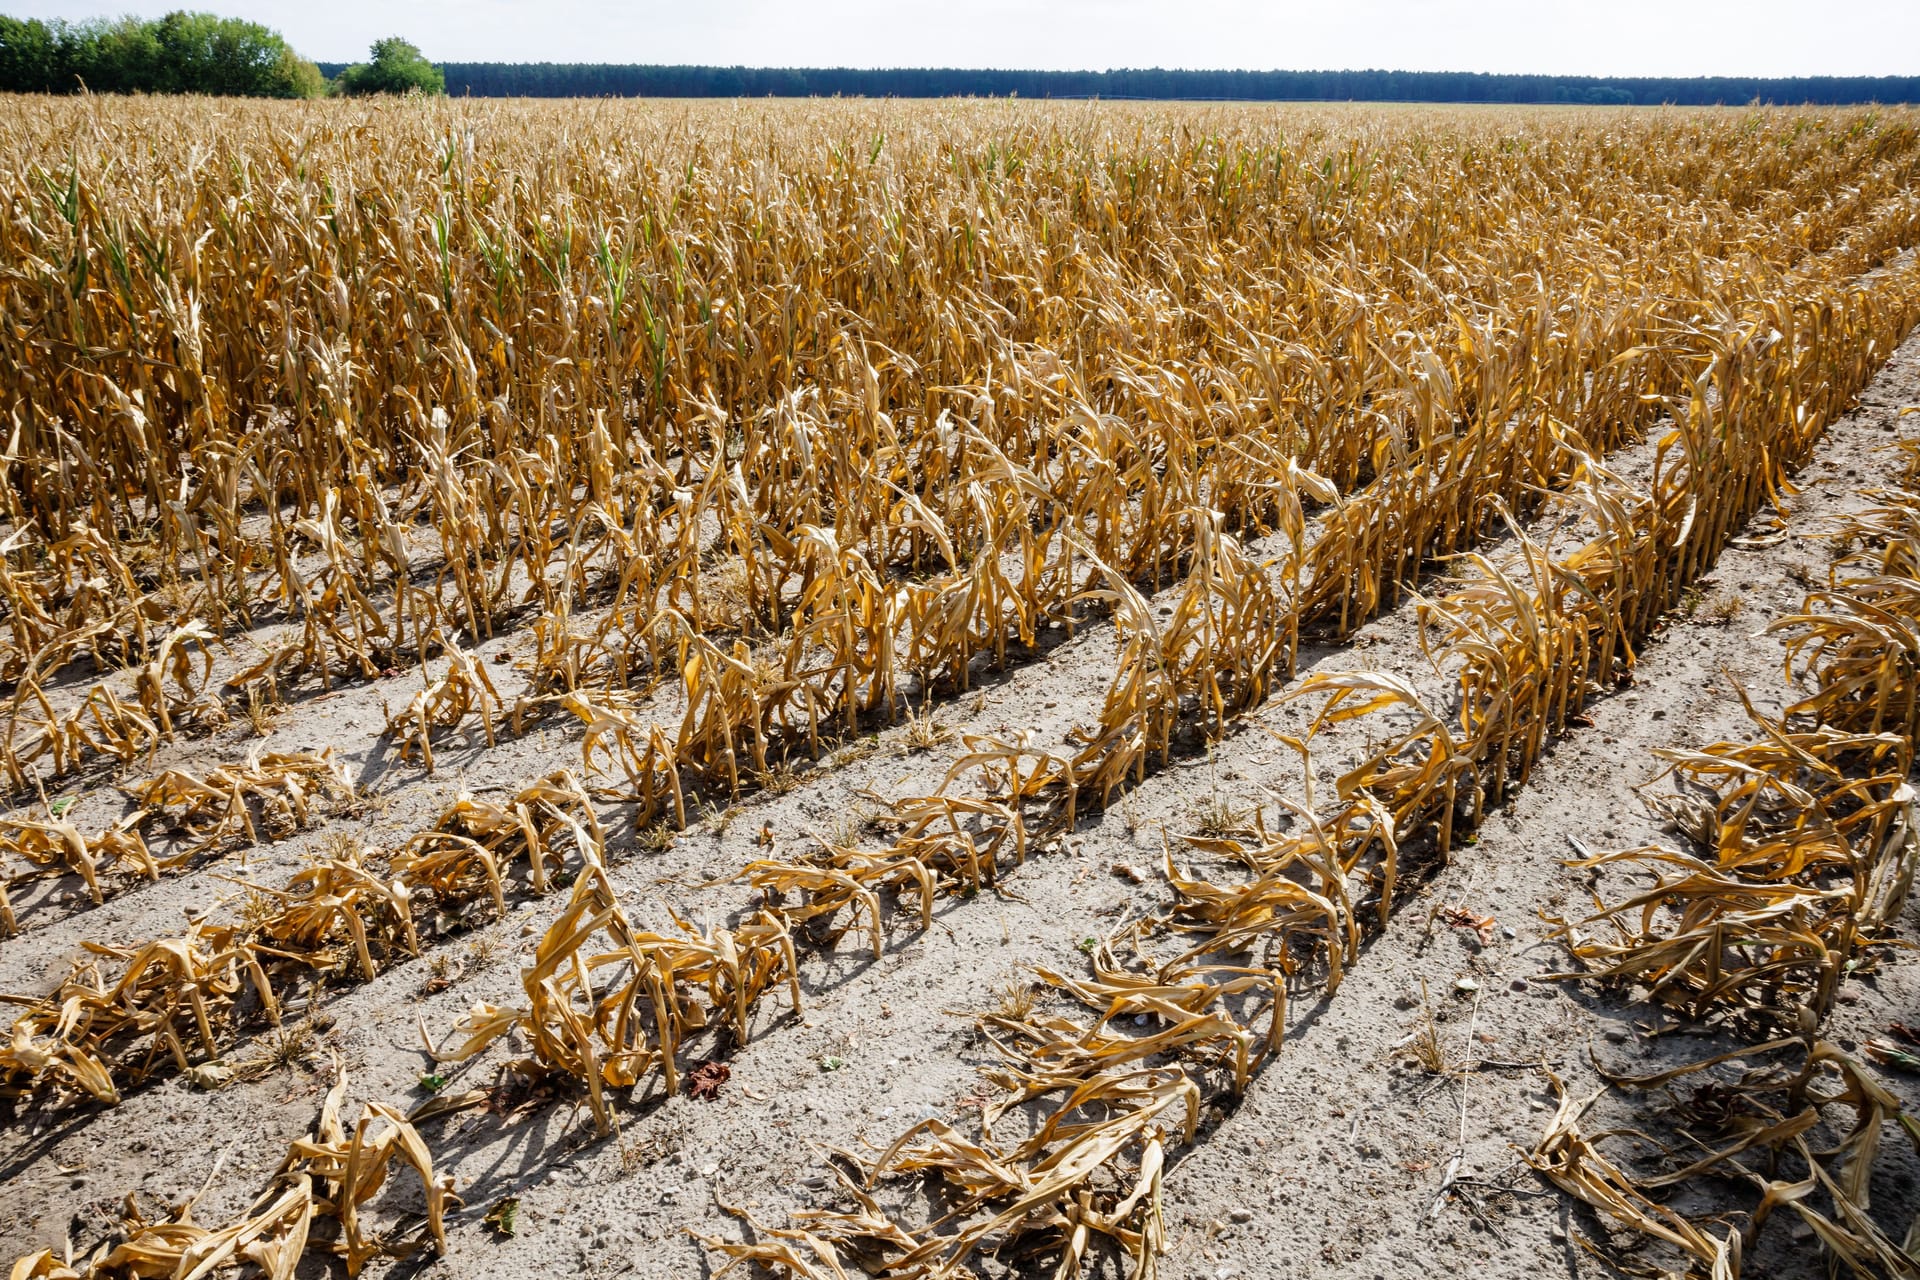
{"points": [[1064, 653]]}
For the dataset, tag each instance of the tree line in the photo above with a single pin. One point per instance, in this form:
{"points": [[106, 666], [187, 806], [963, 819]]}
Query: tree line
{"points": [[591, 79], [202, 53], [180, 53], [191, 53]]}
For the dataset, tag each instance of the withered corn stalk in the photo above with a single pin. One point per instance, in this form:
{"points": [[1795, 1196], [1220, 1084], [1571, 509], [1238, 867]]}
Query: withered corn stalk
{"points": [[1807, 851], [444, 703], [330, 1176], [807, 431], [897, 505], [612, 1017], [1804, 850], [218, 808], [230, 806], [1759, 1116], [58, 847], [1530, 638], [125, 1013]]}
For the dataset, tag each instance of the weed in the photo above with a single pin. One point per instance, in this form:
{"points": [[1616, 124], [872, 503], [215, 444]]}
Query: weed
{"points": [[1427, 1049], [1217, 817], [482, 950], [717, 818], [1017, 1000], [853, 751], [1720, 608], [263, 710], [780, 779], [444, 968], [923, 731]]}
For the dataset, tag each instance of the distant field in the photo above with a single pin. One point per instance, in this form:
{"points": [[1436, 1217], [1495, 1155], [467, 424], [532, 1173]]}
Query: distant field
{"points": [[957, 688]]}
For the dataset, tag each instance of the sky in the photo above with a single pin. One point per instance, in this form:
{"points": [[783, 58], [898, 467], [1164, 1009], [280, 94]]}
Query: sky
{"points": [[1558, 37]]}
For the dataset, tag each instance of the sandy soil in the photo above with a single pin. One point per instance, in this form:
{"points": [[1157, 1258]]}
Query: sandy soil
{"points": [[1329, 1166]]}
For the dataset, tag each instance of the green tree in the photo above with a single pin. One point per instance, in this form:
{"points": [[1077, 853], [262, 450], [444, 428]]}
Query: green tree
{"points": [[302, 78], [121, 56], [397, 67], [33, 57], [180, 53], [200, 53]]}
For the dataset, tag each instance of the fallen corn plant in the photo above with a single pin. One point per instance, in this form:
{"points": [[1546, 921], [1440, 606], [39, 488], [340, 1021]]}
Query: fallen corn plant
{"points": [[464, 690], [325, 1186], [58, 847], [181, 1002], [1797, 1122], [1807, 851], [218, 808], [609, 1018]]}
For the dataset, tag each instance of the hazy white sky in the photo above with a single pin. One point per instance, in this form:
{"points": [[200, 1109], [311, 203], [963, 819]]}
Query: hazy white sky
{"points": [[1612, 37]]}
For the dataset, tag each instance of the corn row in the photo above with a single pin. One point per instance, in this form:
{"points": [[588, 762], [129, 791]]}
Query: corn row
{"points": [[59, 846], [332, 1173], [1806, 852], [1810, 854], [639, 520], [1798, 1084], [1806, 833], [125, 1013], [217, 809], [1858, 640], [1529, 637]]}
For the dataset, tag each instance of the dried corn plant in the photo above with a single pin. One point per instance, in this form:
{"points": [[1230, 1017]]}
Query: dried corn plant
{"points": [[612, 416], [170, 684], [1527, 639], [840, 880], [186, 1000], [464, 689], [1296, 916], [641, 752], [329, 1176], [610, 1018], [477, 844], [1093, 1167], [1703, 940], [328, 906], [58, 847], [101, 725], [1857, 642], [277, 794], [83, 600], [965, 840], [1797, 1121], [168, 1002]]}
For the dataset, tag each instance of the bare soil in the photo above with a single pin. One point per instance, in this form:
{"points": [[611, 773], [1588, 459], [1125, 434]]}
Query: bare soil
{"points": [[1331, 1165]]}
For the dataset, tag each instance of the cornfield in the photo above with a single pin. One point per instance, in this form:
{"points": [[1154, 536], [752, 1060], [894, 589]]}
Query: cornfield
{"points": [[756, 429]]}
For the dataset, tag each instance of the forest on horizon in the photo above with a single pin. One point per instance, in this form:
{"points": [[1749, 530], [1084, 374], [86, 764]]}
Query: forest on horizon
{"points": [[571, 80]]}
